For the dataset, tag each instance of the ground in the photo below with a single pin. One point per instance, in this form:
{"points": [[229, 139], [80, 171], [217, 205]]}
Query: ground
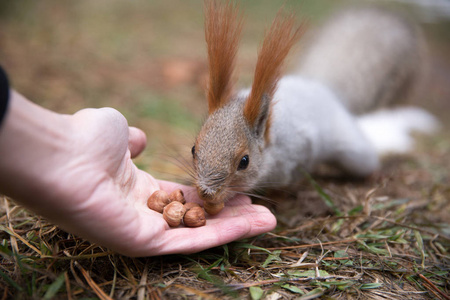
{"points": [[387, 236]]}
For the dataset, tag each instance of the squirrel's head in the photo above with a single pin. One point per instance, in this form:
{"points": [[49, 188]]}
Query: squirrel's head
{"points": [[228, 151]]}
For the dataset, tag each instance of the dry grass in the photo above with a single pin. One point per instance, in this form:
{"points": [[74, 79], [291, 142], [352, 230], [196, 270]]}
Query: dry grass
{"points": [[388, 238], [337, 238]]}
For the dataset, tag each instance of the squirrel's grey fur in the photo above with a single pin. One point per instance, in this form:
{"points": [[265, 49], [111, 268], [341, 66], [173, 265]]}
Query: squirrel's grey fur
{"points": [[360, 60]]}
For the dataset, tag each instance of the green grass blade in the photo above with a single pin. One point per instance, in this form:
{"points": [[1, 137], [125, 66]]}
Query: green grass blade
{"points": [[369, 286], [250, 246], [313, 294], [275, 255], [419, 240], [322, 194], [54, 287], [10, 281], [256, 292]]}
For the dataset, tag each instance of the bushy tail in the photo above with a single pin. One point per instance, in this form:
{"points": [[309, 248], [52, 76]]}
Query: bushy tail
{"points": [[368, 57], [371, 59], [390, 131]]}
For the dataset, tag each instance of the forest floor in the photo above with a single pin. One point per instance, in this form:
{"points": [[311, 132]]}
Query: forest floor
{"points": [[387, 236]]}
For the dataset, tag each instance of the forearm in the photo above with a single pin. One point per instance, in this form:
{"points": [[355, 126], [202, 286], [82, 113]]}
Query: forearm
{"points": [[30, 138]]}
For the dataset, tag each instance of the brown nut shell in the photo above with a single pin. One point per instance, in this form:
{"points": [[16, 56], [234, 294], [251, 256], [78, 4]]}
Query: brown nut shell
{"points": [[194, 217], [177, 195], [173, 213], [190, 205], [158, 200], [213, 208]]}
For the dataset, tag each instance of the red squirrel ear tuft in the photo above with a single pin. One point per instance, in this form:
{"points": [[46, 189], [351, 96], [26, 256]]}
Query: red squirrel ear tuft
{"points": [[223, 27], [278, 40]]}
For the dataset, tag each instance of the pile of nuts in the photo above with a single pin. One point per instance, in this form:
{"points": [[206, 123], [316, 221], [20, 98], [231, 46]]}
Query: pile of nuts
{"points": [[175, 210]]}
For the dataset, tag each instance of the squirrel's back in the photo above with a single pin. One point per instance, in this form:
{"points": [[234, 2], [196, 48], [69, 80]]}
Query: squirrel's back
{"points": [[369, 57]]}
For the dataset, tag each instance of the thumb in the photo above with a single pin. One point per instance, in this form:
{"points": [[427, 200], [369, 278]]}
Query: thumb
{"points": [[136, 141]]}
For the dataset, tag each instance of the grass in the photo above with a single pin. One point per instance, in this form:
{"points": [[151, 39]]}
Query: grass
{"points": [[380, 250], [337, 238]]}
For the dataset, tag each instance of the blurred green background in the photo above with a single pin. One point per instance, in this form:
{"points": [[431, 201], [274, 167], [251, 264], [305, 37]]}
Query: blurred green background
{"points": [[147, 59]]}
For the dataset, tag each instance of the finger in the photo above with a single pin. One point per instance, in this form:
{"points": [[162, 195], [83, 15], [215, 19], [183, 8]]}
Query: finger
{"points": [[191, 240], [242, 210], [239, 200], [136, 141]]}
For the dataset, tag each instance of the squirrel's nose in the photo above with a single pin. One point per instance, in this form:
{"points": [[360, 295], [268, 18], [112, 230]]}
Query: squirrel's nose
{"points": [[204, 194]]}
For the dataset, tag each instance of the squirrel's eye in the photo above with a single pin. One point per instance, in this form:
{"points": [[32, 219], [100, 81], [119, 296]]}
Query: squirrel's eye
{"points": [[243, 164], [193, 150]]}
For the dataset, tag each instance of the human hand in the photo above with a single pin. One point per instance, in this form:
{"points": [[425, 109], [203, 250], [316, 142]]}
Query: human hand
{"points": [[90, 186], [116, 215]]}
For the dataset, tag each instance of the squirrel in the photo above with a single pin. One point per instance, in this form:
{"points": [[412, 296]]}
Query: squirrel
{"points": [[325, 112]]}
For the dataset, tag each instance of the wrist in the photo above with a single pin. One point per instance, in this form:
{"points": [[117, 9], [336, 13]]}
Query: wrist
{"points": [[31, 142]]}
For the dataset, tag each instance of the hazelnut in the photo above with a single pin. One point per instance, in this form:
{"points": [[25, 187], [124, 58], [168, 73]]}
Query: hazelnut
{"points": [[213, 208], [173, 213], [194, 217], [177, 195], [158, 200], [190, 205]]}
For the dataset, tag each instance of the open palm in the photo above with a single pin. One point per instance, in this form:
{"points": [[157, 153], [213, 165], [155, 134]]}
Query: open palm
{"points": [[104, 195]]}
